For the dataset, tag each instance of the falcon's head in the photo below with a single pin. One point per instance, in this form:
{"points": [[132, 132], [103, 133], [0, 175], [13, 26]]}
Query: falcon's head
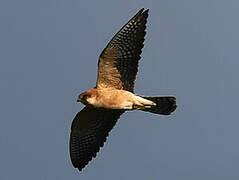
{"points": [[83, 98], [87, 97]]}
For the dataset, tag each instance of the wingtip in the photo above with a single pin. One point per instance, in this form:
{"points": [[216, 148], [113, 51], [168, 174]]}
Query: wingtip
{"points": [[142, 10], [79, 168]]}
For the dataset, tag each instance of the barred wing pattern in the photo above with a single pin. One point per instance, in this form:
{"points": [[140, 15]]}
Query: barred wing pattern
{"points": [[118, 63], [89, 130]]}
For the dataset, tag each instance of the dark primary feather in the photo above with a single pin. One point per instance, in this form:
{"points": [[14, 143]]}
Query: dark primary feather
{"points": [[89, 130], [118, 63]]}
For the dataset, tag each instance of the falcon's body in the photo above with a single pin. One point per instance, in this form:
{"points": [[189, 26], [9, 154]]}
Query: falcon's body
{"points": [[114, 99], [114, 92]]}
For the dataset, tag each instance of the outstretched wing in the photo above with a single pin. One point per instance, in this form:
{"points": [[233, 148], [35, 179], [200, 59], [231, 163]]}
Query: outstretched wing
{"points": [[89, 130], [118, 63]]}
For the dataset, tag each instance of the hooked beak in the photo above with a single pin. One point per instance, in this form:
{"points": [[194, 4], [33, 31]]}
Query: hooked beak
{"points": [[78, 99]]}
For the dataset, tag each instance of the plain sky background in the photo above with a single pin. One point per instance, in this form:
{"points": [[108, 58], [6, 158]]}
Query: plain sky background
{"points": [[48, 55]]}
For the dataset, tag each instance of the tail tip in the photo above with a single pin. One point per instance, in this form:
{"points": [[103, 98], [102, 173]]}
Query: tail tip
{"points": [[171, 106]]}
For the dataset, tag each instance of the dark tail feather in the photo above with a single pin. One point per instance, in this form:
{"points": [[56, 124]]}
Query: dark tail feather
{"points": [[164, 105]]}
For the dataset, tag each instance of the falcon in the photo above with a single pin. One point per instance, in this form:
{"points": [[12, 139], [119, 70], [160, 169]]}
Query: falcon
{"points": [[113, 93]]}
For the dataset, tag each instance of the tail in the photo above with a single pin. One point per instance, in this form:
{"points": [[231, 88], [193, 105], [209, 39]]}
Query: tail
{"points": [[164, 105]]}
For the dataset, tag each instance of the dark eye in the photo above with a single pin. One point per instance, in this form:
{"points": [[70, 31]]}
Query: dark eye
{"points": [[84, 97]]}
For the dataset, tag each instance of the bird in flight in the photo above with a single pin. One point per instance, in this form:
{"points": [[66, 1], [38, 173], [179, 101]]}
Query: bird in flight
{"points": [[113, 93]]}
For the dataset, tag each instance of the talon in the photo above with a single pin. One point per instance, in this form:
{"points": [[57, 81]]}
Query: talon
{"points": [[147, 106], [135, 106]]}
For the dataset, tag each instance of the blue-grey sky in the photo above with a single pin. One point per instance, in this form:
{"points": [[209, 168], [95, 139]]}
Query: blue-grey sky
{"points": [[48, 55]]}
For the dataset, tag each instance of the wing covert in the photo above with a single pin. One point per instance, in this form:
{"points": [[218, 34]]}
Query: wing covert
{"points": [[118, 63]]}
